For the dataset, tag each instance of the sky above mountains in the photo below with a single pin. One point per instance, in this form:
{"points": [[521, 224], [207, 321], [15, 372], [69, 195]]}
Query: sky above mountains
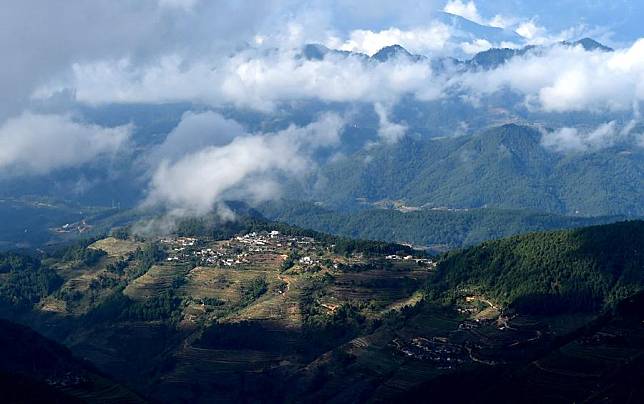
{"points": [[248, 55]]}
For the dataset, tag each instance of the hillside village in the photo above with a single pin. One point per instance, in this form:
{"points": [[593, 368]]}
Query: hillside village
{"points": [[264, 247]]}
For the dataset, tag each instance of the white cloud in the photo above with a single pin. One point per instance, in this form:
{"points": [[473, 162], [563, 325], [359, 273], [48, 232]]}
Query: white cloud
{"points": [[247, 168], [563, 79], [389, 132], [470, 11], [476, 46], [38, 144], [466, 10], [41, 40], [553, 79], [171, 78], [530, 30], [194, 132], [424, 40], [606, 135], [260, 83], [500, 21], [250, 79]]}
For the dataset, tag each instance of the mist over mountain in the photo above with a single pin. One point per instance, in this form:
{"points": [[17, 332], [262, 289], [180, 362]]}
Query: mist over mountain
{"points": [[321, 201]]}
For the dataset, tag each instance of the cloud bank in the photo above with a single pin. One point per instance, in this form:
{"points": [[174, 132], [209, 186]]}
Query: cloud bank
{"points": [[574, 140], [553, 79], [247, 55], [246, 168], [564, 79], [36, 144]]}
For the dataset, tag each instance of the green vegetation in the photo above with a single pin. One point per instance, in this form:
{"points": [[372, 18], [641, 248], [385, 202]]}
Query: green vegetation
{"points": [[347, 325], [79, 253], [12, 262], [121, 233], [87, 256], [147, 257], [424, 227], [290, 260], [159, 307], [58, 377], [505, 167], [240, 335], [119, 307], [117, 267], [253, 291], [25, 281], [571, 270]]}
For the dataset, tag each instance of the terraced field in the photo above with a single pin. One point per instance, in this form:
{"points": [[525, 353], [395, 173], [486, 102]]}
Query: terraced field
{"points": [[267, 316], [156, 280], [116, 248]]}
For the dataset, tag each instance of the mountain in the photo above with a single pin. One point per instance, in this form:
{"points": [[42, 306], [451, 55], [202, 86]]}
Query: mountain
{"points": [[261, 311], [432, 228], [315, 51], [159, 312], [590, 45], [503, 167], [584, 269], [495, 57], [465, 29], [319, 52], [598, 363], [503, 353], [395, 52], [36, 369]]}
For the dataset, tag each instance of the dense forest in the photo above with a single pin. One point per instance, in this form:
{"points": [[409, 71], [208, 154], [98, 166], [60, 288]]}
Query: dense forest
{"points": [[424, 227], [24, 281], [504, 167], [570, 270]]}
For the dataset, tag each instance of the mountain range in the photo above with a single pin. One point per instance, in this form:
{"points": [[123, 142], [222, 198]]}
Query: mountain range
{"points": [[503, 167]]}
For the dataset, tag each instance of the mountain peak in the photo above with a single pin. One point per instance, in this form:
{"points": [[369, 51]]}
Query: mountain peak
{"points": [[395, 51], [590, 45], [314, 51]]}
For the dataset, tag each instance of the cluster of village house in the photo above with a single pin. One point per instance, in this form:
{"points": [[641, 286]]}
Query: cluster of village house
{"points": [[240, 249], [436, 349], [425, 261], [78, 227]]}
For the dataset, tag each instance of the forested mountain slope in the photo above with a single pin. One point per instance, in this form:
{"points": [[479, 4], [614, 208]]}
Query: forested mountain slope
{"points": [[432, 228], [503, 167], [563, 271]]}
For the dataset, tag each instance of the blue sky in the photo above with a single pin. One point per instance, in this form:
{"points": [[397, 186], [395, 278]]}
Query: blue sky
{"points": [[622, 17]]}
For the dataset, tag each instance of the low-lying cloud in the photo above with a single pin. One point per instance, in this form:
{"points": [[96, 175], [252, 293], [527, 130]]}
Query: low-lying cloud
{"points": [[389, 132], [431, 39], [552, 79], [37, 144], [247, 168], [250, 79], [609, 134], [564, 79]]}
